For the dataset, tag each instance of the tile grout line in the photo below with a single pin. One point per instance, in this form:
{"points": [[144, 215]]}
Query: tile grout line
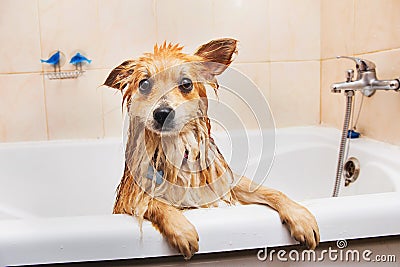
{"points": [[43, 78], [270, 100], [239, 62], [320, 62], [320, 92], [354, 28], [365, 53], [44, 72], [98, 87], [155, 18]]}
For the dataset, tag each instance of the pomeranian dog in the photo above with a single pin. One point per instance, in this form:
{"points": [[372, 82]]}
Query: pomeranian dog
{"points": [[171, 161]]}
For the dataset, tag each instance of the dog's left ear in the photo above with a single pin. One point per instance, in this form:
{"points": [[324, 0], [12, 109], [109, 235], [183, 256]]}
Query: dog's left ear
{"points": [[218, 54]]}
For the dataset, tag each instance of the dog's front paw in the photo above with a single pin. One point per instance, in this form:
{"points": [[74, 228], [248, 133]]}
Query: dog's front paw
{"points": [[182, 235], [301, 223]]}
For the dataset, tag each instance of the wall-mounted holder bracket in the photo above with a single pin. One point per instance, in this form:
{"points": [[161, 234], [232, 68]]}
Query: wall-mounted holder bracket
{"points": [[77, 60], [60, 75]]}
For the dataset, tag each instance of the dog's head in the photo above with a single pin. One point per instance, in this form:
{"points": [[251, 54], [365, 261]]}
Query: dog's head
{"points": [[166, 89]]}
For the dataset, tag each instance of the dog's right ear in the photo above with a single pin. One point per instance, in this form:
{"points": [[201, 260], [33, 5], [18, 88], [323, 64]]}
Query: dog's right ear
{"points": [[119, 77]]}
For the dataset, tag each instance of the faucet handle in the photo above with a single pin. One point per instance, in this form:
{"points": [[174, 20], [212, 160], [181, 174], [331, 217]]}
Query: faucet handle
{"points": [[361, 64], [349, 75]]}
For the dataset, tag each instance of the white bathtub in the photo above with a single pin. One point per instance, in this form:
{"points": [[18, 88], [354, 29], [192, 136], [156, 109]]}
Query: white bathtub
{"points": [[56, 200]]}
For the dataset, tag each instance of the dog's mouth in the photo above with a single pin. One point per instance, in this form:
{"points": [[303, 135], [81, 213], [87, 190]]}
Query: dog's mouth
{"points": [[166, 128]]}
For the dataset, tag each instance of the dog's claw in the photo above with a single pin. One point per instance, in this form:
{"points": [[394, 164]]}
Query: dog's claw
{"points": [[302, 224], [190, 249], [183, 236]]}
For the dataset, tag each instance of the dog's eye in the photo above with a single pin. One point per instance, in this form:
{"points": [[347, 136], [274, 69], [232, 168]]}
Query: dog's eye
{"points": [[145, 86], [186, 85]]}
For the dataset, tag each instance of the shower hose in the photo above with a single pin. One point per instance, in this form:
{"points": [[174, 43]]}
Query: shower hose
{"points": [[343, 141]]}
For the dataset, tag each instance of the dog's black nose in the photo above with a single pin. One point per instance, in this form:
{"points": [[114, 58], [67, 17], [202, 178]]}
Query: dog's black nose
{"points": [[163, 115]]}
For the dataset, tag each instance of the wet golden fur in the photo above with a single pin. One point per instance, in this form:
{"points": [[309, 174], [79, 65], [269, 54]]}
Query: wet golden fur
{"points": [[204, 178]]}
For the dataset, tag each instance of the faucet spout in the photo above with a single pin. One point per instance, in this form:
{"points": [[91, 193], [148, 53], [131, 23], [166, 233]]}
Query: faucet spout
{"points": [[366, 86], [343, 86]]}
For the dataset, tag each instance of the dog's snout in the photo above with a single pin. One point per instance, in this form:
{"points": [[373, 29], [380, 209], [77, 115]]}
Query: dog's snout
{"points": [[163, 114]]}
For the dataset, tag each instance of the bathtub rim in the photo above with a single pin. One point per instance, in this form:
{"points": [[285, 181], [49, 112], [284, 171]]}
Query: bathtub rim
{"points": [[255, 226]]}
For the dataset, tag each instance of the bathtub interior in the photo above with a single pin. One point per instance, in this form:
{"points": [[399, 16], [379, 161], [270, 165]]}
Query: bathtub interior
{"points": [[59, 180], [309, 173], [79, 178], [304, 163]]}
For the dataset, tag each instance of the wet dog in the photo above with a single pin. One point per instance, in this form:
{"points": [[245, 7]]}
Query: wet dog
{"points": [[171, 161]]}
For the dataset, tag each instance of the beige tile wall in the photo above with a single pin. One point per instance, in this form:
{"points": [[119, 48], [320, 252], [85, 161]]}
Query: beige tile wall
{"points": [[279, 50], [295, 98], [19, 38], [295, 30], [369, 29], [22, 109]]}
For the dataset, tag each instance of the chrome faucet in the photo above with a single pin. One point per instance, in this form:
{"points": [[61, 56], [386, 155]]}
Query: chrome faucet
{"points": [[366, 80]]}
